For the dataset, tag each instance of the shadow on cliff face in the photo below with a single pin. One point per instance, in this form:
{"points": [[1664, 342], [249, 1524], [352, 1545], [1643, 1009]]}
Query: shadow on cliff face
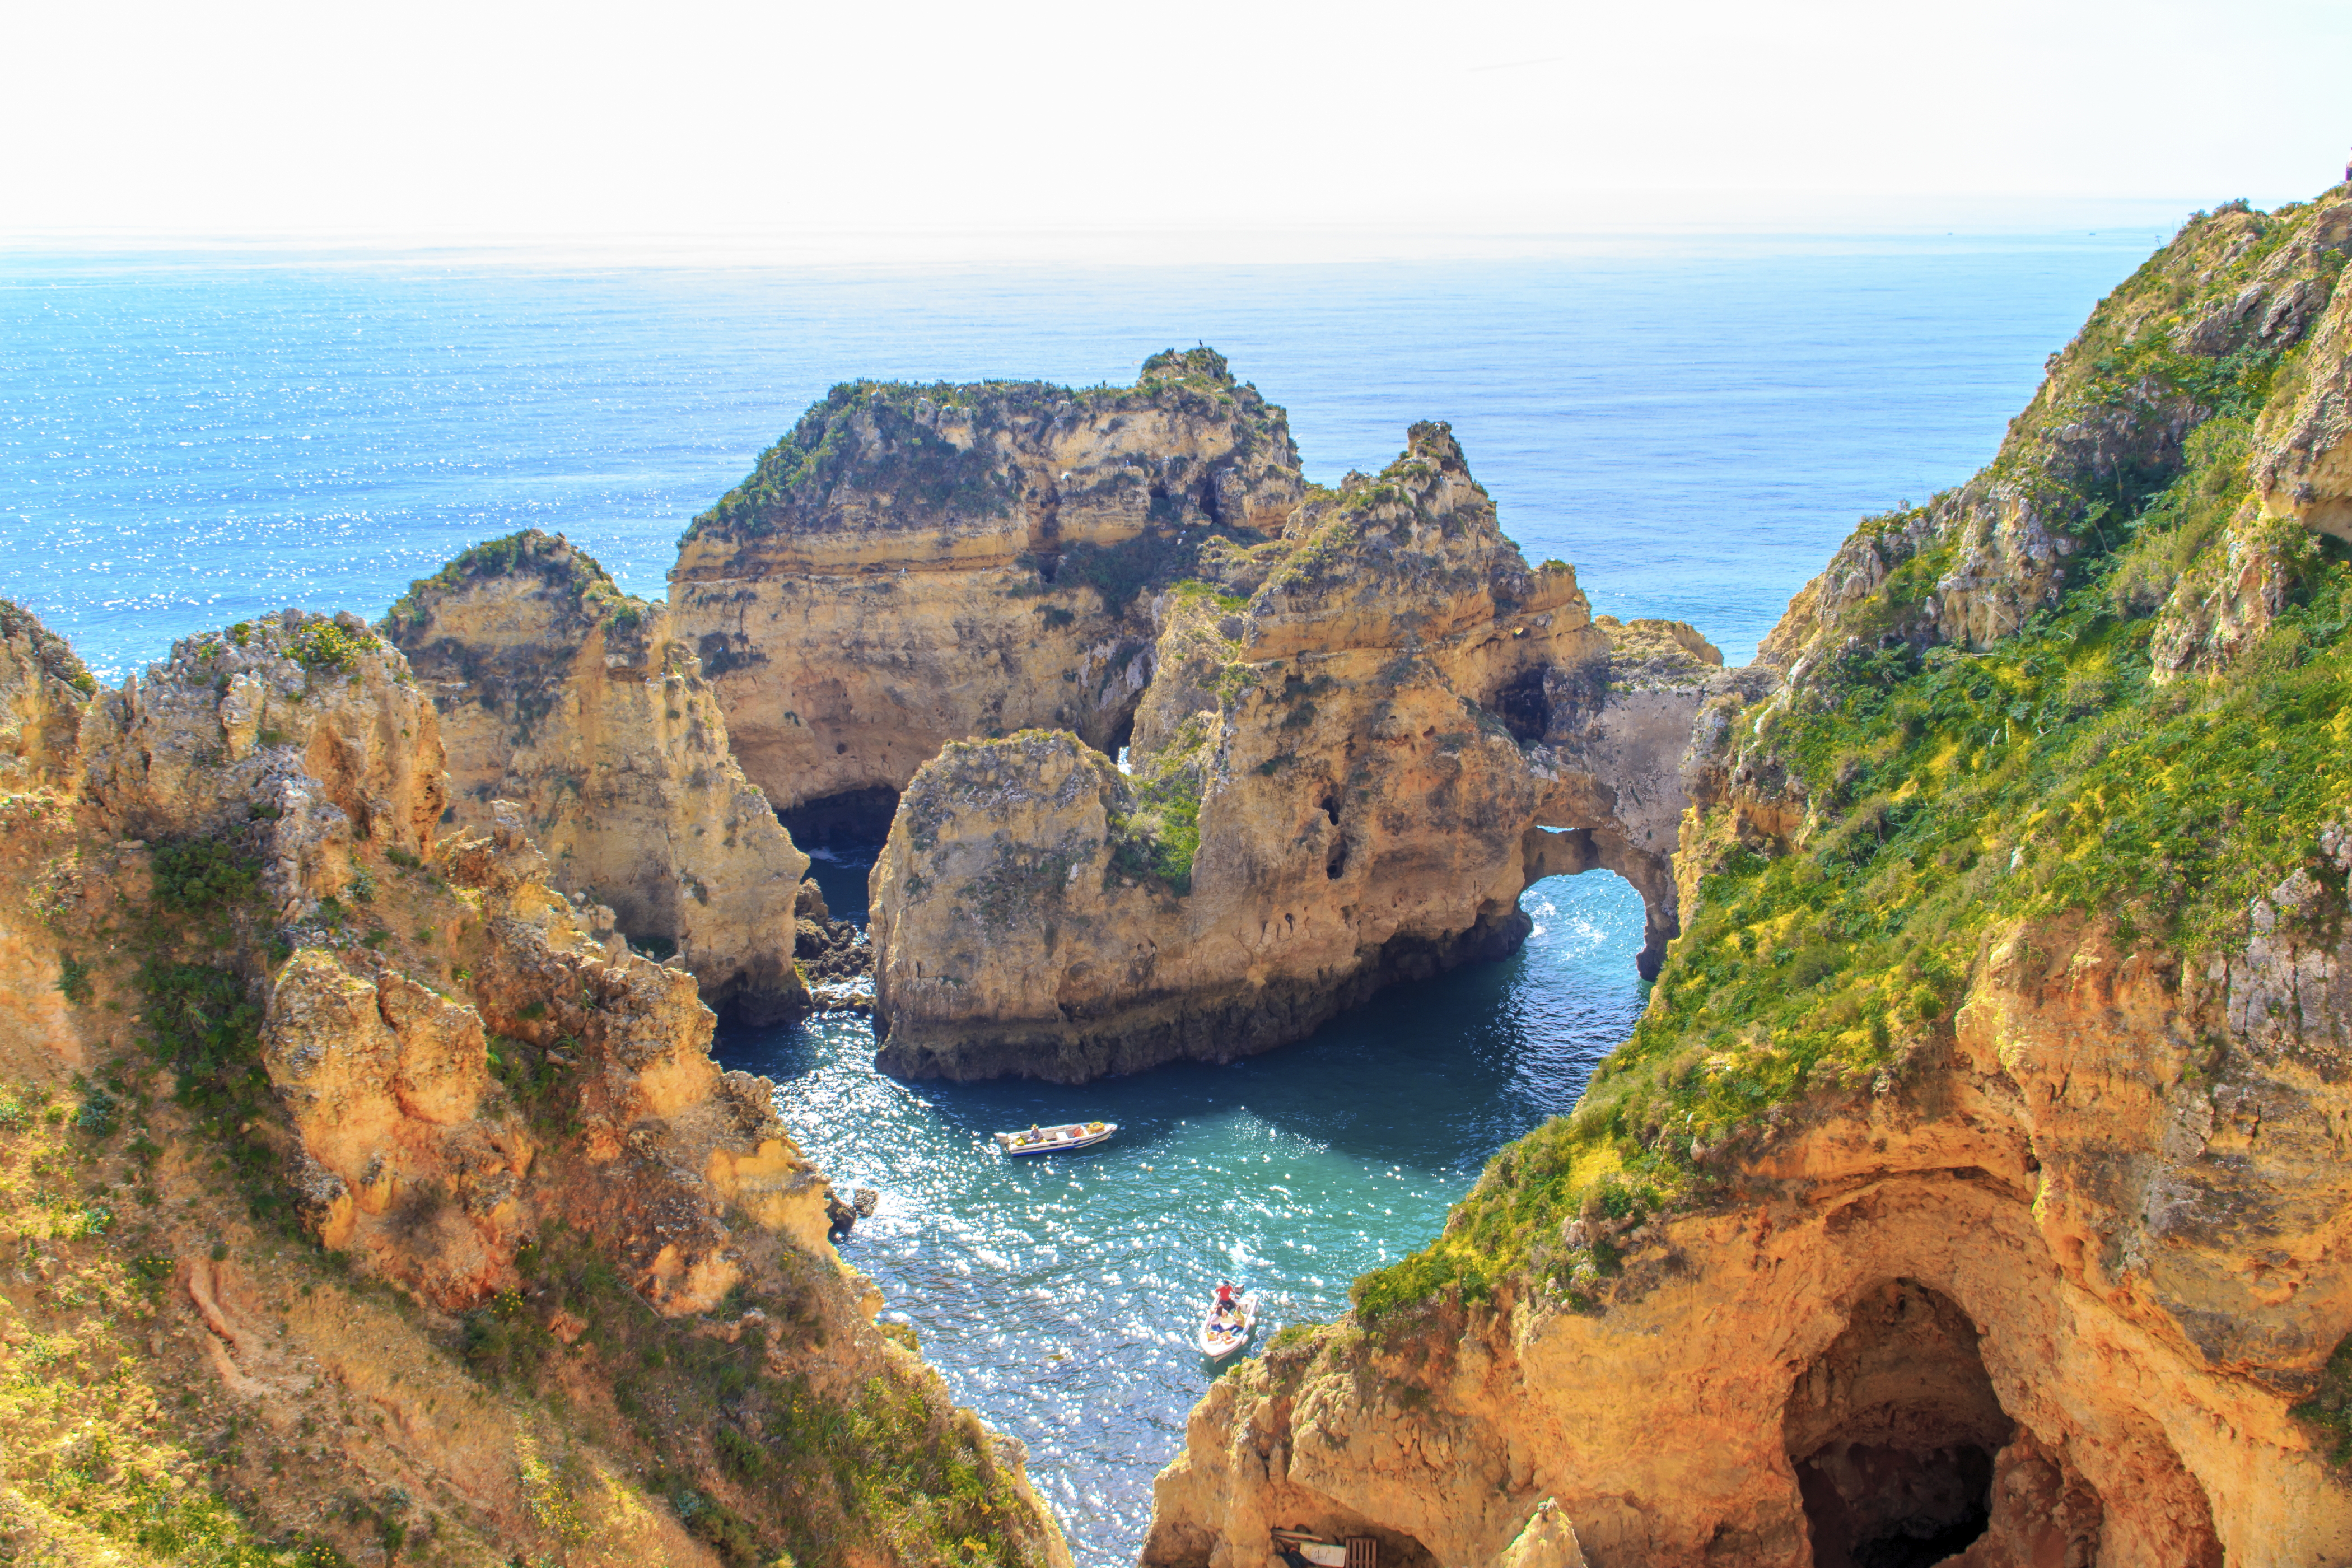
{"points": [[856, 817], [1904, 1457]]}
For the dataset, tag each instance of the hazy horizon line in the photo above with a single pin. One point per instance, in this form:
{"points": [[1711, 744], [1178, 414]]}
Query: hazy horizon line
{"points": [[1622, 223]]}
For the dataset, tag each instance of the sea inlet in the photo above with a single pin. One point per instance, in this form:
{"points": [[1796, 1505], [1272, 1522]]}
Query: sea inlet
{"points": [[1058, 1296]]}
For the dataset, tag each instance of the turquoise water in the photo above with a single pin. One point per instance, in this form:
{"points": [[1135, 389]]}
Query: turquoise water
{"points": [[1059, 1295], [185, 441]]}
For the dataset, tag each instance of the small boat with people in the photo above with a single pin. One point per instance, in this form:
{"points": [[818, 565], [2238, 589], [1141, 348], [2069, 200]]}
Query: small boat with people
{"points": [[1064, 1138], [1227, 1327]]}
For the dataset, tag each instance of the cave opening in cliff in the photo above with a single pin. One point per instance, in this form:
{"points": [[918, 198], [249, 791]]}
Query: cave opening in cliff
{"points": [[854, 817], [1523, 705], [1893, 1430], [1122, 728]]}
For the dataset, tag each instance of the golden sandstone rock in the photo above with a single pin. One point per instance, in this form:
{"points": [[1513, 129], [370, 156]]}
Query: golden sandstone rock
{"points": [[1361, 724], [306, 718], [1345, 779], [916, 565], [457, 1081], [43, 690], [2041, 1269], [2034, 1261], [558, 692]]}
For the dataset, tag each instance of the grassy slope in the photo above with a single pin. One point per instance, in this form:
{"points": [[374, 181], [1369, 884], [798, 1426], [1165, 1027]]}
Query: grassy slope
{"points": [[1948, 791], [120, 1442]]}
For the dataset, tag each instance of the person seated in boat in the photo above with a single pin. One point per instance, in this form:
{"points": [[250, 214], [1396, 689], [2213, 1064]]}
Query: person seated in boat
{"points": [[1035, 1133]]}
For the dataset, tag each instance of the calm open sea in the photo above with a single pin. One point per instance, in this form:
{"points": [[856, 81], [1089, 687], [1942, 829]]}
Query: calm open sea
{"points": [[185, 441]]}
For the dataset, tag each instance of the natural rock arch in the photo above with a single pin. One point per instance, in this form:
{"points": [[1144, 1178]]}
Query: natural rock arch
{"points": [[1324, 799], [1348, 710], [1572, 851]]}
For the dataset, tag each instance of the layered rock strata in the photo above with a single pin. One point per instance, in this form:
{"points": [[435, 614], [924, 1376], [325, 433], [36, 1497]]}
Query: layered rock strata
{"points": [[557, 691], [918, 564], [1969, 1190], [306, 1057], [1344, 779]]}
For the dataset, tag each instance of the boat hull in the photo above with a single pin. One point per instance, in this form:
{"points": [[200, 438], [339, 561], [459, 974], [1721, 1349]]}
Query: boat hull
{"points": [[1058, 1140], [1216, 1346]]}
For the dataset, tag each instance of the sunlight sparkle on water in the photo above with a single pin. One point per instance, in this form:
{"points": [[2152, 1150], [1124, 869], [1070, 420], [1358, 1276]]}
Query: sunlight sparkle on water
{"points": [[1058, 1297]]}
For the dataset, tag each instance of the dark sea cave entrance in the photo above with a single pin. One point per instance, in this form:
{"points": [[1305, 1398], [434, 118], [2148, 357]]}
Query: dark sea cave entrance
{"points": [[855, 820], [1893, 1431]]}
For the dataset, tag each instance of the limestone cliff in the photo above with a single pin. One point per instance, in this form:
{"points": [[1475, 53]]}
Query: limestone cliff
{"points": [[1347, 778], [1971, 1189], [2044, 1283], [42, 689], [370, 1198], [309, 722], [918, 564], [557, 691], [2195, 339], [2303, 465]]}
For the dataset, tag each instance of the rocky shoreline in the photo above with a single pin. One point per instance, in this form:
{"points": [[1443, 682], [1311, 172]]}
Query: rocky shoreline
{"points": [[1970, 1192], [403, 1164]]}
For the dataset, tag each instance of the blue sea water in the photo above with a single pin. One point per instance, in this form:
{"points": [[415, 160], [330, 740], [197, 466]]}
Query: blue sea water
{"points": [[185, 441], [1059, 1296]]}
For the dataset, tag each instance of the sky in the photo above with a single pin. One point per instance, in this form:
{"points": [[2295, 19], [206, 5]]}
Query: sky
{"points": [[1214, 128]]}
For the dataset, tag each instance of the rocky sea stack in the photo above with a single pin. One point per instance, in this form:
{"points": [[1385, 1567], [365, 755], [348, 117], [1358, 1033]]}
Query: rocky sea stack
{"points": [[1355, 746], [1179, 754], [1972, 1190], [914, 565]]}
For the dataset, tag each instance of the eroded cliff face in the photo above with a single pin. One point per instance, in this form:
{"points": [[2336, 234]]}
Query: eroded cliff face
{"points": [[307, 722], [1969, 1189], [915, 566], [43, 690], [1345, 779], [2068, 1272], [558, 692], [391, 1201], [2302, 468]]}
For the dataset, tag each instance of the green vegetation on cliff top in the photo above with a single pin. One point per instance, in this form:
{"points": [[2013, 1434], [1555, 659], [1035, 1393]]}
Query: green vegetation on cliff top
{"points": [[1156, 825], [557, 561], [54, 654], [113, 1449], [1946, 794], [887, 434]]}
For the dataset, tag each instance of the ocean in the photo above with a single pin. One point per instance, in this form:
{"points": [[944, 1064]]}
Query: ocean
{"points": [[190, 440]]}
